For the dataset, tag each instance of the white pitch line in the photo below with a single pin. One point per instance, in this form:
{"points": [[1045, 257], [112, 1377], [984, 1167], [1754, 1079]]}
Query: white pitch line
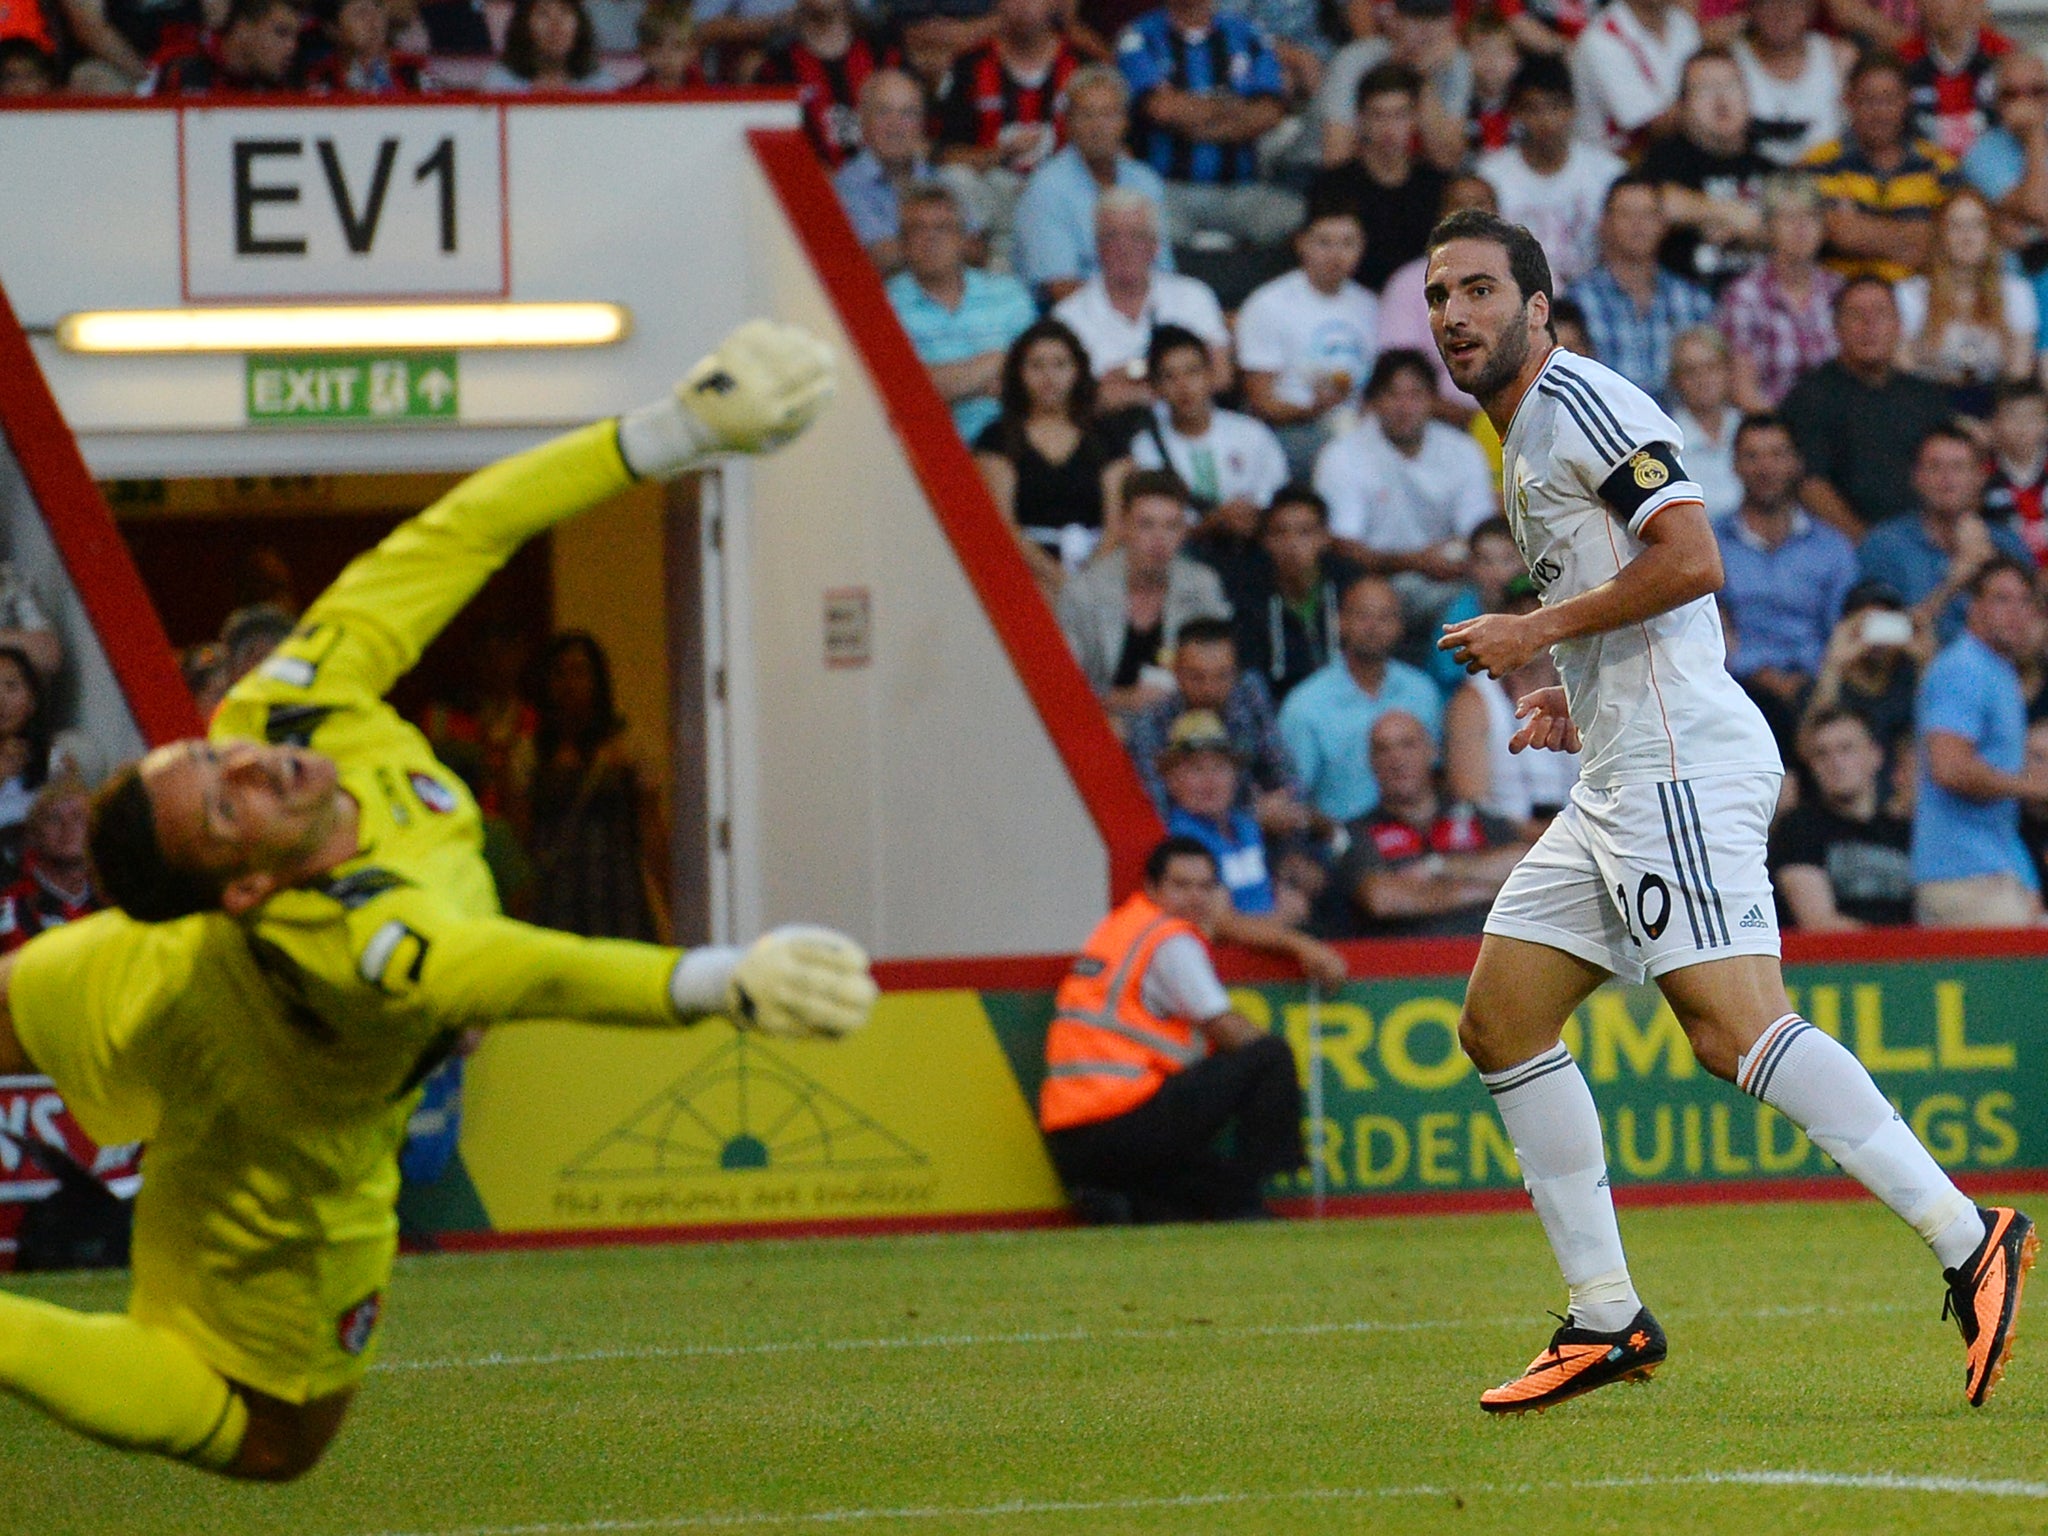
{"points": [[1866, 1482], [944, 1341]]}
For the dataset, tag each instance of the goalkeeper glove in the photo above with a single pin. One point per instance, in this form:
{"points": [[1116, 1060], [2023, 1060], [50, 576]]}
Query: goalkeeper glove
{"points": [[758, 391], [794, 983]]}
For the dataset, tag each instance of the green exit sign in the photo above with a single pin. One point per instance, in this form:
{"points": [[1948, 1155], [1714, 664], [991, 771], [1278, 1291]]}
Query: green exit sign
{"points": [[351, 388]]}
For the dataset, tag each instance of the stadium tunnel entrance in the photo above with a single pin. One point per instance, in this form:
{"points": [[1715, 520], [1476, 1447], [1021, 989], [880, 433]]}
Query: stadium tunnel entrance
{"points": [[857, 706]]}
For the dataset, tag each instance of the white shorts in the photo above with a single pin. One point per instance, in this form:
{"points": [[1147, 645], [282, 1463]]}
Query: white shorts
{"points": [[1648, 878]]}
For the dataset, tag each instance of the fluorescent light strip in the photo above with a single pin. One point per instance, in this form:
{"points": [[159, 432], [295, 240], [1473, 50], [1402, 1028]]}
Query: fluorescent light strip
{"points": [[344, 327]]}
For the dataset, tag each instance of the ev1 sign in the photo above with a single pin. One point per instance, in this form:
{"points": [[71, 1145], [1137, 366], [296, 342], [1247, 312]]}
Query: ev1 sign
{"points": [[343, 202]]}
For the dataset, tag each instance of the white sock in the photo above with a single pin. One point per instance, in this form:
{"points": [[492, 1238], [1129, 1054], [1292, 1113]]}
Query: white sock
{"points": [[1817, 1084], [661, 440], [1549, 1113]]}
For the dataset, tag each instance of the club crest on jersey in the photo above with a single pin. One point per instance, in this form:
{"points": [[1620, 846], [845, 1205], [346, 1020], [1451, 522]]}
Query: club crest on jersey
{"points": [[434, 795], [356, 1325], [1647, 471]]}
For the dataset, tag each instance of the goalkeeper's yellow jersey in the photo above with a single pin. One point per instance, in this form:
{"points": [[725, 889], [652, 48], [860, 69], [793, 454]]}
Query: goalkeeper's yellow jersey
{"points": [[401, 947], [274, 1055]]}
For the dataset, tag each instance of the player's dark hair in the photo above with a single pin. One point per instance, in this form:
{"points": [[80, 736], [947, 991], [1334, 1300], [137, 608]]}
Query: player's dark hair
{"points": [[1177, 847], [1387, 79], [1540, 75], [1167, 340], [1206, 631], [1492, 528], [1391, 364], [1141, 483], [1527, 264], [1296, 493], [1016, 398], [519, 55], [128, 864], [1997, 565]]}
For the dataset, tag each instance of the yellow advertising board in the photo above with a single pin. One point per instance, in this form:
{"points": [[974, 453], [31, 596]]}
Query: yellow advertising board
{"points": [[919, 1116]]}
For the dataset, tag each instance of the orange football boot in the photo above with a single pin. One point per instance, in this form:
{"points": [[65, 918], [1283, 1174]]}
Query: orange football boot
{"points": [[1578, 1361], [1984, 1297]]}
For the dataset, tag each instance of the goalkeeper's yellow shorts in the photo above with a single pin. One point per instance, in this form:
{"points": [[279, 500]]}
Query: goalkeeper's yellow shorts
{"points": [[263, 1240], [296, 1318]]}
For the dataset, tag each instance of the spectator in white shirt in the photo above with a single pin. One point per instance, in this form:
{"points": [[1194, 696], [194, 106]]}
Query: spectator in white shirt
{"points": [[1404, 490], [1628, 64], [1115, 310], [1231, 464], [1306, 341], [1794, 76], [1548, 181]]}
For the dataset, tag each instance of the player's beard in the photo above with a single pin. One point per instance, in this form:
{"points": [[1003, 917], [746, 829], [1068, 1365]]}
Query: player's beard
{"points": [[1505, 361]]}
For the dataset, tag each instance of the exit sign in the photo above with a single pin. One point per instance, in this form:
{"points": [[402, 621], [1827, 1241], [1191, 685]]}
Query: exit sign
{"points": [[352, 389]]}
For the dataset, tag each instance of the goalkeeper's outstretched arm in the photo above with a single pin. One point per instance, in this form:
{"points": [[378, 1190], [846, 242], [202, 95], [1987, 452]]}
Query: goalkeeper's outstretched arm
{"points": [[795, 982], [763, 386]]}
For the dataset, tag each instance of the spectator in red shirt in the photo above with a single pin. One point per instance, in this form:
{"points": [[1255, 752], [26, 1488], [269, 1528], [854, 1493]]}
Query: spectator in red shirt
{"points": [[363, 61], [828, 56], [256, 51], [1948, 72], [1415, 867], [1495, 58], [1004, 112], [56, 882]]}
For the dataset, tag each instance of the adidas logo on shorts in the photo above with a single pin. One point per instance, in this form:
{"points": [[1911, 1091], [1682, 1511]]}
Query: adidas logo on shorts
{"points": [[1753, 918]]}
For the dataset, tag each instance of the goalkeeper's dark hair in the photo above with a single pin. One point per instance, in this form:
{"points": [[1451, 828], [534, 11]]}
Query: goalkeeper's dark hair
{"points": [[128, 864], [1527, 264], [1177, 847]]}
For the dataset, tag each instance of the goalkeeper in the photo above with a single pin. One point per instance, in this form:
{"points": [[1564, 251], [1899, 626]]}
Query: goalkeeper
{"points": [[307, 927]]}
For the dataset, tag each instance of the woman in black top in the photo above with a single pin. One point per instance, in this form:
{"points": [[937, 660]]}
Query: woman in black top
{"points": [[1051, 468]]}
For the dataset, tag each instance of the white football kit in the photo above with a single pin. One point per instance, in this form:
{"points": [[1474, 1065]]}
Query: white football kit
{"points": [[1658, 861]]}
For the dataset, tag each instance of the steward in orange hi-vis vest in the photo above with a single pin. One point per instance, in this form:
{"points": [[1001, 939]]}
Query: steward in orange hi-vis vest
{"points": [[1147, 1065], [1106, 1052]]}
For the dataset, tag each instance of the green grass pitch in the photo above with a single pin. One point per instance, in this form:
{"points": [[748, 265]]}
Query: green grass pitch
{"points": [[1291, 1378]]}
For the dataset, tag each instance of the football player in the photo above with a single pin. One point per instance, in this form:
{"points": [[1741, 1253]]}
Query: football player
{"points": [[307, 927]]}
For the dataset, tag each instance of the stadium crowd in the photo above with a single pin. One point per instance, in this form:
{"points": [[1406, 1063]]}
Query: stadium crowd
{"points": [[1164, 265]]}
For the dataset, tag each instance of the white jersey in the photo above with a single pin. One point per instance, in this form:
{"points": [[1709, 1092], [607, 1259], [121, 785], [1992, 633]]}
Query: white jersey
{"points": [[1652, 701]]}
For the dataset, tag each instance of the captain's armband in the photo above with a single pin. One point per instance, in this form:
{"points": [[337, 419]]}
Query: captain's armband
{"points": [[1646, 480]]}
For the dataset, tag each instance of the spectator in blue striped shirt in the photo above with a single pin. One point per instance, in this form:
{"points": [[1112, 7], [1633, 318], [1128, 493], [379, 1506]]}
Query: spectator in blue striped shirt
{"points": [[1206, 89], [960, 320], [1635, 307]]}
